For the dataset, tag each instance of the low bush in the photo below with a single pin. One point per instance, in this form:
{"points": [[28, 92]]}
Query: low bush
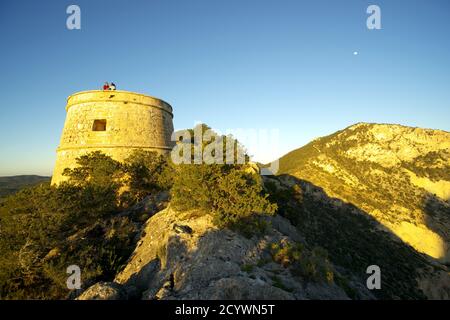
{"points": [[44, 229], [232, 193], [310, 264], [232, 196]]}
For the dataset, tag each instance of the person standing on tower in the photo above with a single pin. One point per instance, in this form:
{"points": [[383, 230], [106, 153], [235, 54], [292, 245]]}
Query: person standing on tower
{"points": [[106, 86], [112, 86]]}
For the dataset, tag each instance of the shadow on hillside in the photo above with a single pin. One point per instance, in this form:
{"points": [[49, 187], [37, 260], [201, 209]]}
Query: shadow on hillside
{"points": [[437, 219], [354, 240]]}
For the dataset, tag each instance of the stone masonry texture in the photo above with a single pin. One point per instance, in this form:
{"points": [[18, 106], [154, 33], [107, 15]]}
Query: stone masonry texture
{"points": [[114, 122]]}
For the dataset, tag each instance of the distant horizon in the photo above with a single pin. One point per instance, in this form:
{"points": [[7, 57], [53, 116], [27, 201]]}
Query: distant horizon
{"points": [[304, 68], [299, 147], [26, 175]]}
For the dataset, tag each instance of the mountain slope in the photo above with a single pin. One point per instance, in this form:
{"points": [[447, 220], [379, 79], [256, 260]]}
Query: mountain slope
{"points": [[399, 175], [320, 250], [345, 202]]}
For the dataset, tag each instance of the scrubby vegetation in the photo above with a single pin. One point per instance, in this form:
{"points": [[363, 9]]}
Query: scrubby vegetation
{"points": [[44, 229], [356, 166], [84, 221], [310, 264], [90, 220], [232, 193], [10, 185], [430, 165], [351, 239], [372, 169]]}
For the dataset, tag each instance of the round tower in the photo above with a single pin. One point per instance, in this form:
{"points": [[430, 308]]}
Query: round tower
{"points": [[114, 122]]}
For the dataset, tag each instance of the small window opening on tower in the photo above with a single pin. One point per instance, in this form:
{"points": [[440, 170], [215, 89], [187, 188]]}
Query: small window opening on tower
{"points": [[99, 125]]}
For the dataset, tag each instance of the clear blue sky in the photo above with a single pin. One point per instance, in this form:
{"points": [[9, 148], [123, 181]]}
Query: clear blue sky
{"points": [[286, 65]]}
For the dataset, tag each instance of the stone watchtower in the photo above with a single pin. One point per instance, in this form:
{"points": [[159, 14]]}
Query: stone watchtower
{"points": [[114, 122]]}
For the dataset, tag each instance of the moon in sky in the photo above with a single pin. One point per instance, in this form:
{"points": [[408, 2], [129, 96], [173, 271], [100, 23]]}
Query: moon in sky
{"points": [[355, 53]]}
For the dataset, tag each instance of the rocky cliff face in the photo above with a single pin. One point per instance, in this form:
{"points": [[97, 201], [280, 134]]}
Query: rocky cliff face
{"points": [[398, 175], [184, 256]]}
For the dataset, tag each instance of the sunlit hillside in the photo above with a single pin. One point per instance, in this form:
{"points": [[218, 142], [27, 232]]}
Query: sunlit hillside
{"points": [[398, 175]]}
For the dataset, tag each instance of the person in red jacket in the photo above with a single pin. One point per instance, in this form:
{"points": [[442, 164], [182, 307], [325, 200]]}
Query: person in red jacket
{"points": [[106, 86]]}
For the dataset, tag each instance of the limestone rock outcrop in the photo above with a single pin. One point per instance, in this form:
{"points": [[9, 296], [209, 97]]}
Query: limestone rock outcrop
{"points": [[399, 175], [103, 291], [184, 256]]}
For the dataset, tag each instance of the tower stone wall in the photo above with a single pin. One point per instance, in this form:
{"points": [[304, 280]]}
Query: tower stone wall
{"points": [[114, 122]]}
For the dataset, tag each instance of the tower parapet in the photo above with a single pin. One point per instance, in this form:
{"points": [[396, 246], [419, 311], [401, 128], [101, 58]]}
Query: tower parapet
{"points": [[114, 122]]}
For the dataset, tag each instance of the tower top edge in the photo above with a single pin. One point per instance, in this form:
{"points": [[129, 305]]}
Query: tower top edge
{"points": [[92, 94]]}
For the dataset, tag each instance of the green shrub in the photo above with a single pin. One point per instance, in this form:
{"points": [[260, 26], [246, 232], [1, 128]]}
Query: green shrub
{"points": [[146, 172], [227, 192], [231, 193], [310, 264], [77, 222], [288, 199], [44, 229], [239, 196], [249, 226], [286, 253], [95, 168], [315, 265]]}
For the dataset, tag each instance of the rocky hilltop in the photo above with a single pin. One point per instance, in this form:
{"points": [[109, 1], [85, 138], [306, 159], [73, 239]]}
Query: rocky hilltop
{"points": [[398, 175], [185, 256], [367, 195], [192, 259]]}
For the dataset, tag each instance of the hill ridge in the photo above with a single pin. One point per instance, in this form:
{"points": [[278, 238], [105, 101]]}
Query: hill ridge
{"points": [[396, 173]]}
